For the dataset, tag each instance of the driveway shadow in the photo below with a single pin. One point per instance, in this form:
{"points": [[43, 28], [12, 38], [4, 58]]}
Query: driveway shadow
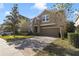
{"points": [[51, 49], [28, 43], [56, 50]]}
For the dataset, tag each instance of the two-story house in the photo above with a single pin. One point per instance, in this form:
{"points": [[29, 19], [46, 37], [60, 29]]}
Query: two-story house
{"points": [[49, 23]]}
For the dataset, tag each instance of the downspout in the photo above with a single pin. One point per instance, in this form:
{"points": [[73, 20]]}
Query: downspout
{"points": [[61, 33], [38, 27]]}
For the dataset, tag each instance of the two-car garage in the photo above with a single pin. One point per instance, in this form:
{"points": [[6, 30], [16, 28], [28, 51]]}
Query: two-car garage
{"points": [[50, 31]]}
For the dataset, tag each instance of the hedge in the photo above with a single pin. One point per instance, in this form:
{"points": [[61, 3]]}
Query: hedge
{"points": [[74, 39]]}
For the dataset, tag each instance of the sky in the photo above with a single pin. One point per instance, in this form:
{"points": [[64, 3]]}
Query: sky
{"points": [[31, 10]]}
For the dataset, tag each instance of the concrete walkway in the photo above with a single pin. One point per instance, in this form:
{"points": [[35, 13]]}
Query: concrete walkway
{"points": [[6, 50]]}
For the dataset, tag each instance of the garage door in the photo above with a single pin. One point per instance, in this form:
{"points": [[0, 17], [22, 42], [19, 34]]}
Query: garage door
{"points": [[50, 32]]}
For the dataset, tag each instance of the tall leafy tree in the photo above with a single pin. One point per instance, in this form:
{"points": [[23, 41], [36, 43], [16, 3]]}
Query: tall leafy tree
{"points": [[67, 7], [13, 19], [63, 6]]}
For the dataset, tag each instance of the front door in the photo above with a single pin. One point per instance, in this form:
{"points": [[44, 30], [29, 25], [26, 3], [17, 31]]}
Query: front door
{"points": [[35, 29]]}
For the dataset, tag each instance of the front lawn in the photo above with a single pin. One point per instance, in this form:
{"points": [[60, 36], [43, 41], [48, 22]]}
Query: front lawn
{"points": [[59, 48], [11, 37]]}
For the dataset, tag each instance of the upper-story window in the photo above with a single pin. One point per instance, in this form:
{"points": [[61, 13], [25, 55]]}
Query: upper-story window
{"points": [[45, 18]]}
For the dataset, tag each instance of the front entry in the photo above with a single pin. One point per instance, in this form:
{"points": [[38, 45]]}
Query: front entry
{"points": [[35, 29]]}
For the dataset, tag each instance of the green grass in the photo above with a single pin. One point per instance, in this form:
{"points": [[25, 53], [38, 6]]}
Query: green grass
{"points": [[60, 48], [11, 37], [63, 43]]}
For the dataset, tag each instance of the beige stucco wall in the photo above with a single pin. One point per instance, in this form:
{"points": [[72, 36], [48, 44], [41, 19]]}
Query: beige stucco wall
{"points": [[57, 19]]}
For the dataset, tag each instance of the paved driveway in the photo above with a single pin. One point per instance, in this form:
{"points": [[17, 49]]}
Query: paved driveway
{"points": [[6, 50], [43, 39], [27, 47], [32, 45]]}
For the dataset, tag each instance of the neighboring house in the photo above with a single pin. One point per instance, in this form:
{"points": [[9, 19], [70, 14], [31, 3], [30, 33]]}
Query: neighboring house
{"points": [[77, 22], [49, 23]]}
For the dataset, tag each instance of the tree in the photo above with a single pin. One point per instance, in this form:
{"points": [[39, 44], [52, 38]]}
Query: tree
{"points": [[23, 25], [70, 27], [13, 19], [66, 7]]}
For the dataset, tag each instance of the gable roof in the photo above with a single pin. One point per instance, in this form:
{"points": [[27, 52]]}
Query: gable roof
{"points": [[49, 11], [76, 21], [76, 18]]}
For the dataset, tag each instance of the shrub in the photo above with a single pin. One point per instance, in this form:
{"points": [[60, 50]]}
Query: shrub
{"points": [[30, 33], [77, 31], [70, 27], [74, 39]]}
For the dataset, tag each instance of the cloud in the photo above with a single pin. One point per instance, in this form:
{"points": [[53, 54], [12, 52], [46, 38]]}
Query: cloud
{"points": [[76, 13], [40, 6], [7, 13]]}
